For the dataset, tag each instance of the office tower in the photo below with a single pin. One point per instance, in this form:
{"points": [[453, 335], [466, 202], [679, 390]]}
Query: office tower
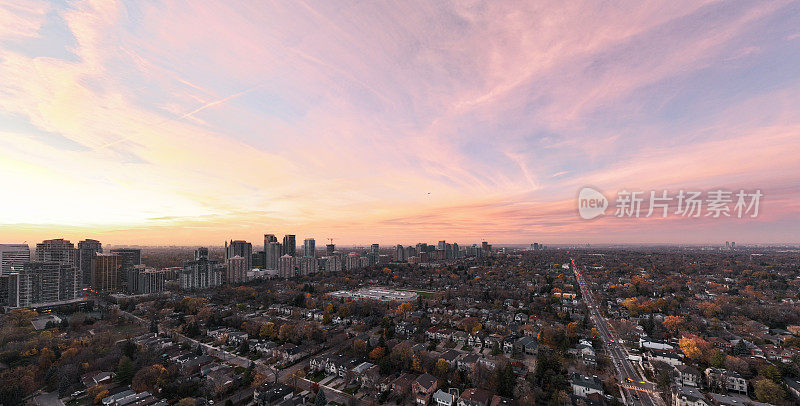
{"points": [[43, 282], [4, 281], [237, 271], [286, 266], [130, 256], [441, 245], [143, 280], [241, 248], [455, 250], [309, 248], [289, 245], [272, 255], [12, 257], [475, 251], [201, 253], [733, 244], [56, 250], [400, 253], [422, 247], [330, 249], [268, 238], [727, 244], [410, 252], [11, 285], [87, 249], [200, 273], [259, 260], [107, 272]]}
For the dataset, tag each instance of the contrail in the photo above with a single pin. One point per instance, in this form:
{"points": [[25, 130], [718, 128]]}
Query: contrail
{"points": [[191, 113], [220, 101]]}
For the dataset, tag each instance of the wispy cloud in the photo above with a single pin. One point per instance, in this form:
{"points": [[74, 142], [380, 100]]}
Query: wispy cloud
{"points": [[501, 110]]}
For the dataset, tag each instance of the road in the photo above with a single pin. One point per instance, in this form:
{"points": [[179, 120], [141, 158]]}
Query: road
{"points": [[637, 389]]}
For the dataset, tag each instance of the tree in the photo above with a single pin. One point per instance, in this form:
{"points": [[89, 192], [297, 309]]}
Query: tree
{"points": [[377, 353], [267, 330], [717, 359], [99, 397], [405, 308], [506, 380], [772, 373], [673, 323], [148, 378], [496, 349], [695, 348], [21, 317], [186, 402], [441, 368], [125, 371], [769, 392], [244, 347], [320, 400], [740, 348], [416, 364], [154, 325], [128, 348]]}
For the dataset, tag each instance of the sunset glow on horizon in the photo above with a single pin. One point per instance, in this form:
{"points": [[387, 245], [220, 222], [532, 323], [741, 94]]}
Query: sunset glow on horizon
{"points": [[190, 123]]}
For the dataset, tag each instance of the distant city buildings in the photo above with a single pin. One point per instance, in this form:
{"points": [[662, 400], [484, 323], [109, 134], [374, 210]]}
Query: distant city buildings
{"points": [[130, 256], [87, 250], [42, 282], [201, 273], [12, 257], [289, 245], [107, 273], [237, 270], [309, 248], [272, 253], [143, 280], [308, 265], [56, 250], [286, 266], [240, 248]]}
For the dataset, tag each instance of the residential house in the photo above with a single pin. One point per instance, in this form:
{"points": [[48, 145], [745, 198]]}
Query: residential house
{"points": [[526, 345], [583, 385], [442, 398], [688, 396], [730, 380], [687, 376], [424, 387], [475, 397]]}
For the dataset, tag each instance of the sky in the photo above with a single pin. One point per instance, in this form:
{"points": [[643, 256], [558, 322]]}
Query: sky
{"points": [[190, 123]]}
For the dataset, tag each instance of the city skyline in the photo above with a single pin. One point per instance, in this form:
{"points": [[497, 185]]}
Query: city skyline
{"points": [[393, 123]]}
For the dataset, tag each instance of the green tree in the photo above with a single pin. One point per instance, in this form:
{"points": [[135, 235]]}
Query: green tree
{"points": [[717, 359], [769, 392], [125, 371], [506, 380]]}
